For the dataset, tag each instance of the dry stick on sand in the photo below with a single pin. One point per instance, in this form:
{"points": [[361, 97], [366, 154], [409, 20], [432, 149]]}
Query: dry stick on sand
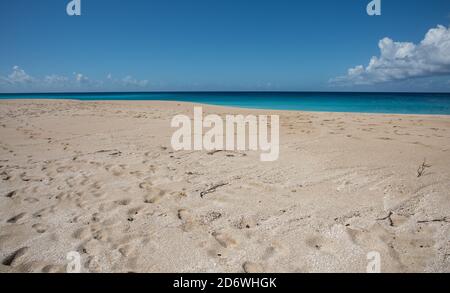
{"points": [[422, 168], [212, 189], [444, 219], [388, 217]]}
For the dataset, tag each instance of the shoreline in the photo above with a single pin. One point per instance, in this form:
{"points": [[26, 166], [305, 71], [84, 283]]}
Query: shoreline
{"points": [[231, 108]]}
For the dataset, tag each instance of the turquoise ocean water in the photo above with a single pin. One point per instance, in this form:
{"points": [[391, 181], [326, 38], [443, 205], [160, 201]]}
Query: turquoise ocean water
{"points": [[398, 103]]}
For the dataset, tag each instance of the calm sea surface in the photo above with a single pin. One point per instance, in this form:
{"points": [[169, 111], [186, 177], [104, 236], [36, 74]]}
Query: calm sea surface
{"points": [[399, 103]]}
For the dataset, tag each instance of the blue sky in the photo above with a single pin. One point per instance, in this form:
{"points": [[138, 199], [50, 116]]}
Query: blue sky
{"points": [[145, 45]]}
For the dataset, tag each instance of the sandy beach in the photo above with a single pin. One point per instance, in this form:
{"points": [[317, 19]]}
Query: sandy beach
{"points": [[101, 179]]}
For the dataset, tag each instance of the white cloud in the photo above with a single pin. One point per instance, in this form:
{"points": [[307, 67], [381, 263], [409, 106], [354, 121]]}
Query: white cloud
{"points": [[130, 81], [80, 78], [404, 60], [18, 76], [18, 80]]}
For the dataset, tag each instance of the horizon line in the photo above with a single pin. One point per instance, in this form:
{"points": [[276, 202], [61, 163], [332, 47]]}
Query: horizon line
{"points": [[216, 91]]}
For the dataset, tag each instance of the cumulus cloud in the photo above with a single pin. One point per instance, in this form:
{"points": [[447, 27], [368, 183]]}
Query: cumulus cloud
{"points": [[18, 76], [404, 60]]}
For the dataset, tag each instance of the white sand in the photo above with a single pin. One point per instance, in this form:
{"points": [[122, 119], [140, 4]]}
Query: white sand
{"points": [[100, 178]]}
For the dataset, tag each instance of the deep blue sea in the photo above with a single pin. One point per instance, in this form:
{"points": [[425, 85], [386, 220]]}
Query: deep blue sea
{"points": [[399, 103]]}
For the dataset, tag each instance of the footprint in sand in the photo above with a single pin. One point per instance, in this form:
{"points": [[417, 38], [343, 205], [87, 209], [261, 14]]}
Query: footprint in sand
{"points": [[146, 185], [188, 221], [96, 185], [101, 235], [82, 233], [31, 200], [154, 196], [16, 257], [251, 267], [52, 269], [224, 239], [16, 218], [123, 202], [45, 212], [11, 194], [40, 228], [138, 174], [132, 213], [116, 170], [126, 250], [5, 176]]}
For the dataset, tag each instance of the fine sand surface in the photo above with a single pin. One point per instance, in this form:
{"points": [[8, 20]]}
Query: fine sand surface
{"points": [[100, 178]]}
